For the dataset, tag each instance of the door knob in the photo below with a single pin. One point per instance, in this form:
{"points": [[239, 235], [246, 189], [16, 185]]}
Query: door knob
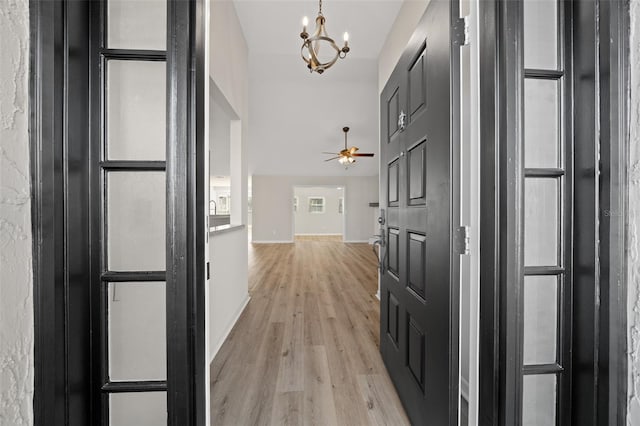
{"points": [[402, 118]]}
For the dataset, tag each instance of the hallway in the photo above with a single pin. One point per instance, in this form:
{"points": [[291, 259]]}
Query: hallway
{"points": [[305, 350]]}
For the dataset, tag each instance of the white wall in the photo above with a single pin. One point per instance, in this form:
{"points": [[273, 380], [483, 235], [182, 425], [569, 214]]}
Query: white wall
{"points": [[219, 139], [330, 222], [633, 236], [16, 298], [228, 291], [273, 198], [296, 116], [401, 31], [228, 286]]}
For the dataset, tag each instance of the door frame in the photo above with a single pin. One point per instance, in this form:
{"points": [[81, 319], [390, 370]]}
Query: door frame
{"points": [[500, 221], [187, 369], [187, 376], [46, 106]]}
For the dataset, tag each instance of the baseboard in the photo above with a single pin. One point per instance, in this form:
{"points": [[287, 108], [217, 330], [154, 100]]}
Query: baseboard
{"points": [[464, 388], [272, 242], [378, 294], [228, 330], [318, 235]]}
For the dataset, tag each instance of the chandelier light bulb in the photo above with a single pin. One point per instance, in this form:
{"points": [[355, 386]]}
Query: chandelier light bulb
{"points": [[345, 36], [305, 22]]}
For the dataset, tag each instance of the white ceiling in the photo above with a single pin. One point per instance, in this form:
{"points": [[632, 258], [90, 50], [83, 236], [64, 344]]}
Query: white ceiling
{"points": [[274, 26], [295, 115]]}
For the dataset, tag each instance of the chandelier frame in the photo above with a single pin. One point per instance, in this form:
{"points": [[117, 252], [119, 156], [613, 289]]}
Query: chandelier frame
{"points": [[311, 45]]}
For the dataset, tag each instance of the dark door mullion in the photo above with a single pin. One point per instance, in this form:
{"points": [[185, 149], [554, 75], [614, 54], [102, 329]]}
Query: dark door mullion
{"points": [[133, 276], [134, 55], [565, 16], [542, 74], [538, 369], [133, 166], [543, 270], [134, 386], [543, 173]]}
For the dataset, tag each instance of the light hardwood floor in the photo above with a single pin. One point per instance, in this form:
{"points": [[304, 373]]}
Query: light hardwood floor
{"points": [[305, 350]]}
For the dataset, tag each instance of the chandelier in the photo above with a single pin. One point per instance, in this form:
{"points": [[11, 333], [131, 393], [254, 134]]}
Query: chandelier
{"points": [[310, 51]]}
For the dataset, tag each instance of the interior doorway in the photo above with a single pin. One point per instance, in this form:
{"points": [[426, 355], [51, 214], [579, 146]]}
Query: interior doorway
{"points": [[319, 211]]}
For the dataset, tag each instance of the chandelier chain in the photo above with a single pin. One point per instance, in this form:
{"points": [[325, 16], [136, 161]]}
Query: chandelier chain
{"points": [[320, 11]]}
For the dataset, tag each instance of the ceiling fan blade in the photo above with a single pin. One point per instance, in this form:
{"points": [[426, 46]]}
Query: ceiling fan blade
{"points": [[364, 154], [334, 158]]}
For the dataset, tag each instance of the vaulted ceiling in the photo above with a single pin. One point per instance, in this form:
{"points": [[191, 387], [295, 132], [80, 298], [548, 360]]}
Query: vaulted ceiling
{"points": [[293, 115]]}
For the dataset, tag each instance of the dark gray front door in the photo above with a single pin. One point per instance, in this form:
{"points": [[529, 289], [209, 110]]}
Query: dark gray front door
{"points": [[418, 334]]}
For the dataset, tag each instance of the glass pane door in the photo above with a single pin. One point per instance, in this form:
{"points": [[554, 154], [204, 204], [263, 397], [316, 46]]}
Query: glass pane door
{"points": [[547, 213], [131, 166]]}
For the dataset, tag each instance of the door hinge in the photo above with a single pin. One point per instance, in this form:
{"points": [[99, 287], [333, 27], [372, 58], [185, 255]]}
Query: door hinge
{"points": [[208, 274], [461, 241], [461, 31]]}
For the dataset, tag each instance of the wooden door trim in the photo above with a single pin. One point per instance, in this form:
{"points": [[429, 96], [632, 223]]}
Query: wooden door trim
{"points": [[615, 142], [489, 321], [454, 219], [187, 375], [45, 138], [58, 169]]}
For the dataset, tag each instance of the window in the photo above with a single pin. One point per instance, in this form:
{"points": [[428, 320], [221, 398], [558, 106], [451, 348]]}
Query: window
{"points": [[224, 205], [340, 205], [295, 204], [316, 204]]}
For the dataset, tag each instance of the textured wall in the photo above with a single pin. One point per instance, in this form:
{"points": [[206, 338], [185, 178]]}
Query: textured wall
{"points": [[16, 301], [633, 417]]}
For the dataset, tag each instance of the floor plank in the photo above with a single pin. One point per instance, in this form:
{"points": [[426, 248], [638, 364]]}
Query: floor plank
{"points": [[376, 390], [319, 408], [305, 350], [288, 409]]}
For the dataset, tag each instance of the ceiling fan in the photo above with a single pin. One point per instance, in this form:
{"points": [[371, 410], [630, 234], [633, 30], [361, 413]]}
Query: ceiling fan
{"points": [[346, 156]]}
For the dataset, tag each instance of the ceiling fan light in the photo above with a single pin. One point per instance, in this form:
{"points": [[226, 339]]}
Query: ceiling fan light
{"points": [[346, 156]]}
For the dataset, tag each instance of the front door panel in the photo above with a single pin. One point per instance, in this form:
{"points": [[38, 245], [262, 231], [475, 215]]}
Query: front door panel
{"points": [[416, 191]]}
